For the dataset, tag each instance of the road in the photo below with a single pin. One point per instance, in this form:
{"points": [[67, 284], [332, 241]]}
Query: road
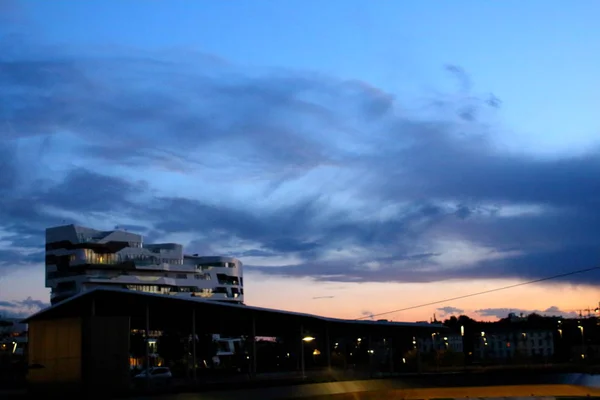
{"points": [[378, 389]]}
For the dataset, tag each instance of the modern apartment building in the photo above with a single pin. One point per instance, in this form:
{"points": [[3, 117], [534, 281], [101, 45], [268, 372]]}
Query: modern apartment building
{"points": [[79, 258]]}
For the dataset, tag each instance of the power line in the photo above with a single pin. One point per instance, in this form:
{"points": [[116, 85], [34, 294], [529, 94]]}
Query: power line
{"points": [[581, 271]]}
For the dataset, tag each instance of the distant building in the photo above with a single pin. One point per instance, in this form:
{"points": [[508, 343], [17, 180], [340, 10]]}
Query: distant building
{"points": [[12, 327], [13, 346], [80, 258], [13, 337], [502, 344], [438, 342]]}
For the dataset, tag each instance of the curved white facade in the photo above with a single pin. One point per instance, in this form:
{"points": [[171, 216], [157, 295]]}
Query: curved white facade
{"points": [[79, 258]]}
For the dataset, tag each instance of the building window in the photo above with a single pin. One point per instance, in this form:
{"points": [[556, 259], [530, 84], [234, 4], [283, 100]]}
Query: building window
{"points": [[150, 288], [91, 257], [221, 290], [209, 266], [204, 292], [225, 279]]}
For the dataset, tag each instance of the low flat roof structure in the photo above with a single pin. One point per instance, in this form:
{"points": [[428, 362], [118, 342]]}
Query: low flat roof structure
{"points": [[212, 315], [65, 306], [85, 340]]}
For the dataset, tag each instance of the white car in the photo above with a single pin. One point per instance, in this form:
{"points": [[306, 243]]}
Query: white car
{"points": [[156, 375]]}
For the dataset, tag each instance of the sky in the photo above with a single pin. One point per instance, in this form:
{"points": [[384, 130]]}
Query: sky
{"points": [[357, 156]]}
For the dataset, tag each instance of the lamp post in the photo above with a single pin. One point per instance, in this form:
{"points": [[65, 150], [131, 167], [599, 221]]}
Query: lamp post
{"points": [[464, 347], [306, 339], [484, 344], [560, 331], [582, 342]]}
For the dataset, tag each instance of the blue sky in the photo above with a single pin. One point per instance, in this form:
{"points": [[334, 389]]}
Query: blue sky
{"points": [[536, 56], [353, 142]]}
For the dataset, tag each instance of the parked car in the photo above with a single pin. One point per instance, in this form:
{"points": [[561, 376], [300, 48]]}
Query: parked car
{"points": [[158, 376]]}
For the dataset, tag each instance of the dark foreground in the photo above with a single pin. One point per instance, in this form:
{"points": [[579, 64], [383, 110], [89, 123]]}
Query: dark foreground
{"points": [[465, 384], [362, 391]]}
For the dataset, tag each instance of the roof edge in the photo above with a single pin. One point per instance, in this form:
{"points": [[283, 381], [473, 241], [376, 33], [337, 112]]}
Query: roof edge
{"points": [[223, 304]]}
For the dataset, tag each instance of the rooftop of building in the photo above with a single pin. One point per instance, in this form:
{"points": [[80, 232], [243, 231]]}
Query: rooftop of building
{"points": [[109, 301], [105, 235]]}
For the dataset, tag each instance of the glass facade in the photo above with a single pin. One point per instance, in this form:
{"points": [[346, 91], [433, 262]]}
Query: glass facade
{"points": [[150, 288], [91, 257]]}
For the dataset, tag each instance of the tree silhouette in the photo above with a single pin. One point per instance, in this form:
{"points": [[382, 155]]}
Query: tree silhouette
{"points": [[451, 322], [455, 323]]}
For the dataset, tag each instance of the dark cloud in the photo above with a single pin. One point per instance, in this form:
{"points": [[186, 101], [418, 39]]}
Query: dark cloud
{"points": [[448, 310], [21, 308], [536, 264], [133, 114], [25, 212], [87, 191], [280, 164], [255, 253], [504, 312], [398, 268], [31, 303], [302, 228], [13, 258], [456, 168], [132, 228]]}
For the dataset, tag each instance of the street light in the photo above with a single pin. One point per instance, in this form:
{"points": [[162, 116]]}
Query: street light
{"points": [[306, 339], [582, 341]]}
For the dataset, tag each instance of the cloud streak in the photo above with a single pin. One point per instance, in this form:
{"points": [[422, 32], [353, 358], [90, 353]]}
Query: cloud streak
{"points": [[448, 310]]}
